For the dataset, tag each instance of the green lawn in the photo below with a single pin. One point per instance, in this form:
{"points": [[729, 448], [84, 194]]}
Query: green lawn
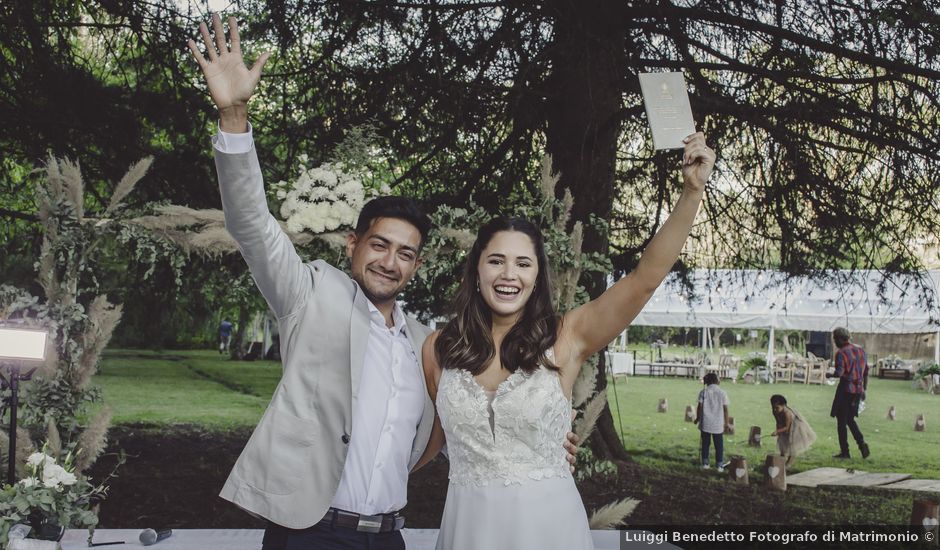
{"points": [[666, 440], [186, 387], [206, 389]]}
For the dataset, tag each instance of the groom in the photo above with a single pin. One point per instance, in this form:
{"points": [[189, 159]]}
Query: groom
{"points": [[328, 463]]}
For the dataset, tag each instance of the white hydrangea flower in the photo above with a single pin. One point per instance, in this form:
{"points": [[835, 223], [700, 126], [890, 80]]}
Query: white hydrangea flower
{"points": [[322, 199]]}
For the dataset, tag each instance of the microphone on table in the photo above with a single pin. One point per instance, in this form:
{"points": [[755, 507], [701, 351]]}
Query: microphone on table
{"points": [[152, 536]]}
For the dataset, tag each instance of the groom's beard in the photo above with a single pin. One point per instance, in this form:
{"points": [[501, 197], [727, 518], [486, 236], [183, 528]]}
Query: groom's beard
{"points": [[380, 285]]}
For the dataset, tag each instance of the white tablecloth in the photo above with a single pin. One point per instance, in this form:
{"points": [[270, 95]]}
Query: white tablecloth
{"points": [[621, 363], [250, 539]]}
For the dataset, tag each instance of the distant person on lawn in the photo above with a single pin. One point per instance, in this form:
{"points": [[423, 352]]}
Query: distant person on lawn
{"points": [[225, 335], [712, 418], [852, 371]]}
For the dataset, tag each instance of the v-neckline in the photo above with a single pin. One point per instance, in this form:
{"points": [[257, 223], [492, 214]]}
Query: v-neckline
{"points": [[499, 386]]}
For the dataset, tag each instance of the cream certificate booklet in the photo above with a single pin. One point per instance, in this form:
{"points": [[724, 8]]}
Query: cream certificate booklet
{"points": [[667, 108]]}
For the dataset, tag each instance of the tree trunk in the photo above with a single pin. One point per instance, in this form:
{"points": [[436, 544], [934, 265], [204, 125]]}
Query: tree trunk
{"points": [[237, 345], [584, 120]]}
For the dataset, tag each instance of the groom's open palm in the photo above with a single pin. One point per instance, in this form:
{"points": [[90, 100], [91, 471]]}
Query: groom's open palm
{"points": [[231, 83]]}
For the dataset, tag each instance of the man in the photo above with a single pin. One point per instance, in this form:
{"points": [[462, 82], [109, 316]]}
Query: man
{"points": [[328, 463], [852, 371], [225, 335]]}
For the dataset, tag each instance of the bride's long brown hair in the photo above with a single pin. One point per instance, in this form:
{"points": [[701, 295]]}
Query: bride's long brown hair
{"points": [[466, 341]]}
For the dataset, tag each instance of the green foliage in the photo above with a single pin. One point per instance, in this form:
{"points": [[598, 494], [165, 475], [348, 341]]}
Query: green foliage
{"points": [[928, 370], [52, 393], [451, 237], [752, 362], [149, 250], [589, 467], [755, 361]]}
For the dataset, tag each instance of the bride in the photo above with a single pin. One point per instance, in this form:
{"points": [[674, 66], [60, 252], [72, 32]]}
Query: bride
{"points": [[502, 370]]}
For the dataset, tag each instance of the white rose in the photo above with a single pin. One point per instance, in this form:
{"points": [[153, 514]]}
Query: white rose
{"points": [[51, 482], [29, 481], [66, 478], [36, 459], [55, 475]]}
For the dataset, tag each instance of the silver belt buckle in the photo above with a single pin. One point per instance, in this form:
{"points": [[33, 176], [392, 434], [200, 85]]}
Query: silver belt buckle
{"points": [[369, 524]]}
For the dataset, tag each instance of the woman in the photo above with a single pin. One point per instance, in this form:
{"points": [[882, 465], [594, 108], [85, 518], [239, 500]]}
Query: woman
{"points": [[502, 370]]}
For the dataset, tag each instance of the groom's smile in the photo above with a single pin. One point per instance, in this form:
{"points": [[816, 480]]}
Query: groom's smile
{"points": [[384, 258]]}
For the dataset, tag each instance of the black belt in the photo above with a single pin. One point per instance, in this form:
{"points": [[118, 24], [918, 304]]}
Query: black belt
{"points": [[382, 523]]}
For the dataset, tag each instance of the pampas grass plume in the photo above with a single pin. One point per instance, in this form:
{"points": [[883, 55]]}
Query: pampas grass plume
{"points": [[614, 514], [127, 183], [585, 425], [92, 441]]}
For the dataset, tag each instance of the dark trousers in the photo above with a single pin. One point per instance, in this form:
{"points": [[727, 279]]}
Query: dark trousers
{"points": [[719, 447], [324, 537], [846, 419]]}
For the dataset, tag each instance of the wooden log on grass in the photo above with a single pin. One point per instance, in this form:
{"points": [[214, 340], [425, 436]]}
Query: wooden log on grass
{"points": [[775, 470], [663, 405], [920, 423], [753, 439], [737, 470], [924, 514], [689, 413]]}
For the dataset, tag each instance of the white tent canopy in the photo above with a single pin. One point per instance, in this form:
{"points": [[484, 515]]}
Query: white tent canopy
{"points": [[862, 301]]}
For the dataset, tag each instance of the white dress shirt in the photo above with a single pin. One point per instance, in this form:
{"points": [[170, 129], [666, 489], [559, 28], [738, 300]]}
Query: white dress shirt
{"points": [[385, 418], [713, 400], [386, 413]]}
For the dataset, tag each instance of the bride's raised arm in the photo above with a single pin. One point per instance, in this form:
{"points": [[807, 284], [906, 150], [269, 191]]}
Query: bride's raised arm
{"points": [[590, 327]]}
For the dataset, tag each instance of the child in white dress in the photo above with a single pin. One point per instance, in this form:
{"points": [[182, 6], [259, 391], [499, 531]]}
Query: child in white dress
{"points": [[794, 434]]}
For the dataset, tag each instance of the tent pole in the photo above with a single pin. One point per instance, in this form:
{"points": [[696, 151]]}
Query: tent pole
{"points": [[936, 347], [770, 350]]}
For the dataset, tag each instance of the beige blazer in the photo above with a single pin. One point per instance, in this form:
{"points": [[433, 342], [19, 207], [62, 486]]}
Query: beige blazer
{"points": [[289, 470]]}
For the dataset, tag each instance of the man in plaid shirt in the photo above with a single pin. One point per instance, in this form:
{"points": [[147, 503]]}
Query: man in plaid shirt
{"points": [[852, 371]]}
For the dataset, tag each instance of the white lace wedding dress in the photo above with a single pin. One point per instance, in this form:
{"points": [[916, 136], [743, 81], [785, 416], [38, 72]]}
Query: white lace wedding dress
{"points": [[510, 486]]}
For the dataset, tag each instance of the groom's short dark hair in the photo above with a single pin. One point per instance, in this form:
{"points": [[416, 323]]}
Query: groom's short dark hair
{"points": [[402, 208]]}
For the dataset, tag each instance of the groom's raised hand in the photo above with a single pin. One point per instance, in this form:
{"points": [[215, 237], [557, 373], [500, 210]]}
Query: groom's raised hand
{"points": [[571, 447], [231, 83]]}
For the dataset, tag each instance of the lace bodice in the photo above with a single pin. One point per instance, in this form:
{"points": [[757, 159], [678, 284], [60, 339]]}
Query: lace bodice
{"points": [[531, 417]]}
